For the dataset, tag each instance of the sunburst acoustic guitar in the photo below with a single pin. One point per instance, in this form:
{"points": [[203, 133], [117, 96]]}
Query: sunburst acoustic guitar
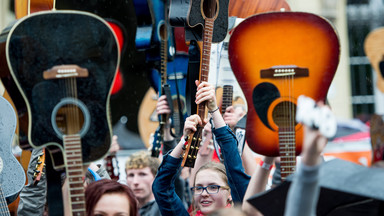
{"points": [[276, 57], [373, 47], [64, 64]]}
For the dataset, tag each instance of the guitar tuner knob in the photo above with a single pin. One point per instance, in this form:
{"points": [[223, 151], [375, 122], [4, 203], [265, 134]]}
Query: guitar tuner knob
{"points": [[194, 157], [192, 147], [194, 139], [197, 148], [189, 156], [199, 139], [39, 162]]}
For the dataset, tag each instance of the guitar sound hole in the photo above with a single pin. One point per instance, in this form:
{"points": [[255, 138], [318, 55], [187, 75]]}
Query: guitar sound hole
{"points": [[163, 31], [284, 114], [70, 116], [69, 119], [209, 8]]}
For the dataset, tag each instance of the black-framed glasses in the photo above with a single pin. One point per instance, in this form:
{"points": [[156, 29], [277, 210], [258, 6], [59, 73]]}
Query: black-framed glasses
{"points": [[211, 189]]}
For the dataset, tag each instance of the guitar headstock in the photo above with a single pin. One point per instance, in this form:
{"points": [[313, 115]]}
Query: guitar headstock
{"points": [[157, 143], [192, 148], [112, 166], [377, 137], [39, 169], [316, 117]]}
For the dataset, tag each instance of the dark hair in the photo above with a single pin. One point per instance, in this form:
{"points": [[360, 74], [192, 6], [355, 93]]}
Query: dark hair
{"points": [[97, 189]]}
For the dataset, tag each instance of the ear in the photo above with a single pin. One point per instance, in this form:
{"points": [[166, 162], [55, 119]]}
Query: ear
{"points": [[229, 200]]}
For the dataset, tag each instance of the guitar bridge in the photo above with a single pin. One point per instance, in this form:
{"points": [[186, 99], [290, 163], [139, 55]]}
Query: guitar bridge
{"points": [[65, 71], [284, 71]]}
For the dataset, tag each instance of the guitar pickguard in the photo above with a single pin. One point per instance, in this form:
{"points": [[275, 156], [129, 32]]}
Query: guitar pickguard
{"points": [[263, 96]]}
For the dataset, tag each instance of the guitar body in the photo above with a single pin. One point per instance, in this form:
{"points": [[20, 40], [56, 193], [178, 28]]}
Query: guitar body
{"points": [[373, 47], [176, 78], [196, 17], [35, 46], [246, 8], [276, 57], [147, 118], [21, 6], [12, 176]]}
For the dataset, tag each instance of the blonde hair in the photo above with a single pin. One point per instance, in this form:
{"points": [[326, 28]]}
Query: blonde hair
{"points": [[217, 167], [142, 159]]}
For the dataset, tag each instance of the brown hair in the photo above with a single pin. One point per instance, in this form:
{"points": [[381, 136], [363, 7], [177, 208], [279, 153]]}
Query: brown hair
{"points": [[142, 159], [97, 189]]}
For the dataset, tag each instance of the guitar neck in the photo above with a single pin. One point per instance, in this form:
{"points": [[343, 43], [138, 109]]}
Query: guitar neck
{"points": [[287, 145], [4, 211], [227, 98], [195, 139], [112, 165], [74, 170], [205, 59]]}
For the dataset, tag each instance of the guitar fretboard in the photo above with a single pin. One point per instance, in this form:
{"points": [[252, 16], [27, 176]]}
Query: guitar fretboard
{"points": [[74, 170], [194, 141], [227, 98], [287, 142], [205, 59]]}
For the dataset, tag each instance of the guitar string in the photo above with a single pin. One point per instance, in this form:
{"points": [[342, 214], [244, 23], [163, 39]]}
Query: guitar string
{"points": [[292, 127], [203, 76], [3, 206]]}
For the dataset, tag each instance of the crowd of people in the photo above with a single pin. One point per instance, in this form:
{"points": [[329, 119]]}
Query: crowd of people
{"points": [[161, 186]]}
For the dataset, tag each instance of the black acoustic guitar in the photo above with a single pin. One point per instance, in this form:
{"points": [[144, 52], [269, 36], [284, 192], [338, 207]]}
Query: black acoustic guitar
{"points": [[187, 13], [64, 64]]}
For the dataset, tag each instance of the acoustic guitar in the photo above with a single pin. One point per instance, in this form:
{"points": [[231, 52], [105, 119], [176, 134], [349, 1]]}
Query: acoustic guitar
{"points": [[276, 57], [12, 174], [169, 76], [24, 8], [64, 64], [209, 10], [373, 47]]}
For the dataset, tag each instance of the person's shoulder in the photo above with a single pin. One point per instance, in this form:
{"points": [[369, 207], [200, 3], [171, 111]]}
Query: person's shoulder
{"points": [[150, 209]]}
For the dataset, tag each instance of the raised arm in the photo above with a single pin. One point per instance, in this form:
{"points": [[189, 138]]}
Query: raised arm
{"points": [[304, 191], [257, 184]]}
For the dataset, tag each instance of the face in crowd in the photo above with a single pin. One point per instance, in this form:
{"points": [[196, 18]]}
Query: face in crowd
{"points": [[211, 190]]}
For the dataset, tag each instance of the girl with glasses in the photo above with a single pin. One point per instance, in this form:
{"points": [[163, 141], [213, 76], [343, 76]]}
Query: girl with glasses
{"points": [[215, 185]]}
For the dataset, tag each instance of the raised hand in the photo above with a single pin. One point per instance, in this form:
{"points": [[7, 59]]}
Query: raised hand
{"points": [[162, 106], [206, 93], [190, 124], [233, 115]]}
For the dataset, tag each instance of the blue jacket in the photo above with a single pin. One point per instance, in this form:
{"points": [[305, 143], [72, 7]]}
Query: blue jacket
{"points": [[163, 186]]}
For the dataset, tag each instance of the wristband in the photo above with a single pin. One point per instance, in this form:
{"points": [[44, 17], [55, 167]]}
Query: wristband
{"points": [[265, 166], [94, 174], [209, 111]]}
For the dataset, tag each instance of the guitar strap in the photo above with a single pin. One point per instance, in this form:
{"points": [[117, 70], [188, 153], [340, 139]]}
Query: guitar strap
{"points": [[167, 92], [54, 194], [193, 74], [178, 128]]}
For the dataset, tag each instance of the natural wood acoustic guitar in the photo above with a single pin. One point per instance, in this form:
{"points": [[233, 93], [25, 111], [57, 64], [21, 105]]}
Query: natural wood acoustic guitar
{"points": [[374, 49]]}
